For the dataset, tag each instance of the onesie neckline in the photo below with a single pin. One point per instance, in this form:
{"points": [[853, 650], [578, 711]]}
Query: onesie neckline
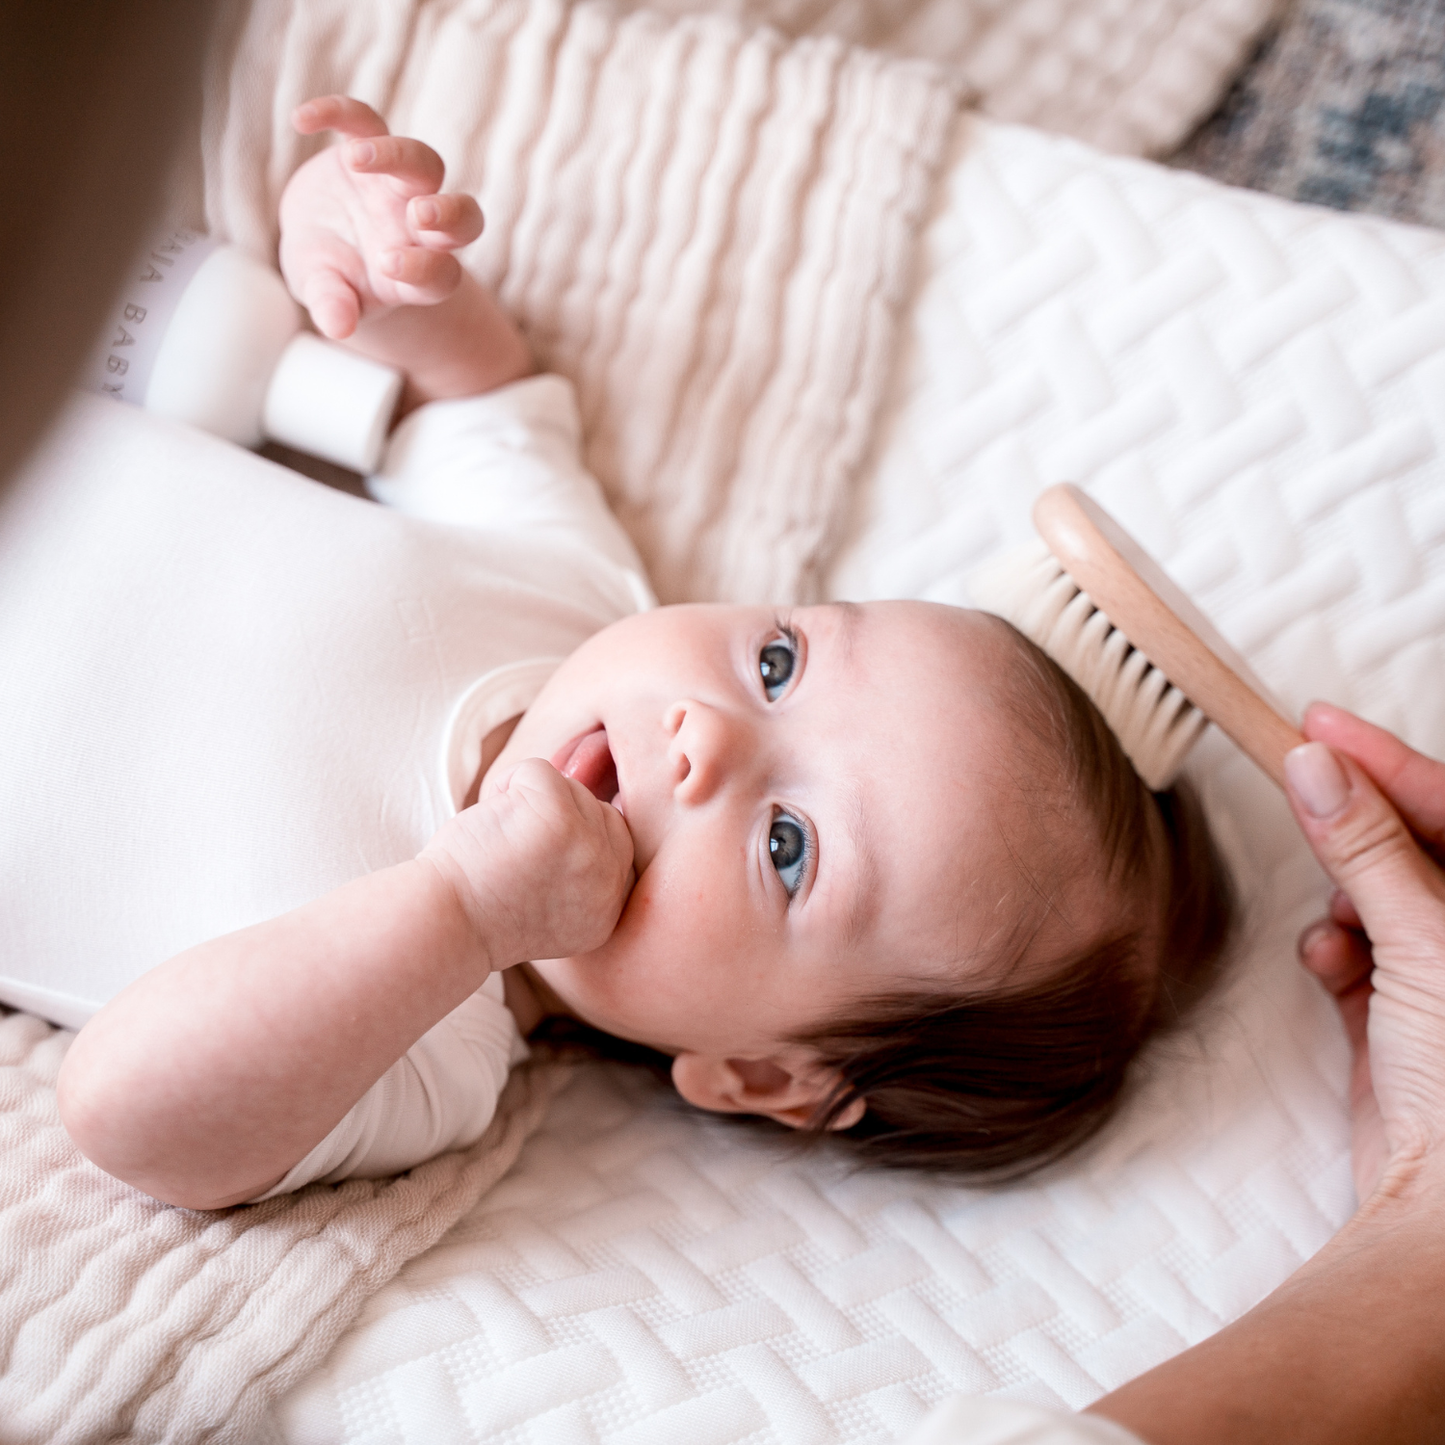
{"points": [[494, 697]]}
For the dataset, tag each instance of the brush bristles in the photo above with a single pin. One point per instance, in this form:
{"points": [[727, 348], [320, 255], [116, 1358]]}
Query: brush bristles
{"points": [[1155, 723]]}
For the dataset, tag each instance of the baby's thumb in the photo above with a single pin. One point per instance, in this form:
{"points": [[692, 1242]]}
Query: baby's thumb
{"points": [[333, 305], [1357, 836], [619, 838]]}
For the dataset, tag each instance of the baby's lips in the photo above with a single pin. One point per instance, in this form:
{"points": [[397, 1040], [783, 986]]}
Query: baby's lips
{"points": [[588, 759]]}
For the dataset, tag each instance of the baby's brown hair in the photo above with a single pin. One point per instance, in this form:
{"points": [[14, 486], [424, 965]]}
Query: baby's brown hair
{"points": [[995, 1084]]}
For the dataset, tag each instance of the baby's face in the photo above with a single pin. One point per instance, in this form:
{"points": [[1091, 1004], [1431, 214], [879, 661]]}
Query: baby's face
{"points": [[822, 808]]}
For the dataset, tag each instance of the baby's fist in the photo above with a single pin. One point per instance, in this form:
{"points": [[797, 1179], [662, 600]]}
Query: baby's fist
{"points": [[540, 867]]}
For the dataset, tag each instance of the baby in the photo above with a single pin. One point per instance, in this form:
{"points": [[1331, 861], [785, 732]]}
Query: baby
{"points": [[879, 872]]}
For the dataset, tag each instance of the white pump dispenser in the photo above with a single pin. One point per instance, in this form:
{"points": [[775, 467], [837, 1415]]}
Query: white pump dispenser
{"points": [[204, 334]]}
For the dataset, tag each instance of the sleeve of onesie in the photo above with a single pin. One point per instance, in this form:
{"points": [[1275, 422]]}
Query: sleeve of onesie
{"points": [[440, 1095], [509, 460]]}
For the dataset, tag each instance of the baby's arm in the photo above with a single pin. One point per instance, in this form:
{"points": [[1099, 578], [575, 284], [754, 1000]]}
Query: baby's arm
{"points": [[209, 1077], [366, 243], [367, 238]]}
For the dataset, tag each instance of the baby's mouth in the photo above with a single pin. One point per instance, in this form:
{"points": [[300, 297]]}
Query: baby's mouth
{"points": [[588, 758]]}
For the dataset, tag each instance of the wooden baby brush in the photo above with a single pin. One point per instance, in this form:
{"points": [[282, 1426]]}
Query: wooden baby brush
{"points": [[1102, 608]]}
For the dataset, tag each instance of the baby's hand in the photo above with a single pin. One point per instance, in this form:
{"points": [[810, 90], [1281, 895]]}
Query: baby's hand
{"points": [[541, 868], [363, 226]]}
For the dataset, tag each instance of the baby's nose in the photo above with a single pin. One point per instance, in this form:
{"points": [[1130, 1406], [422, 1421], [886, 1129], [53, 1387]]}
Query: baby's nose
{"points": [[701, 748]]}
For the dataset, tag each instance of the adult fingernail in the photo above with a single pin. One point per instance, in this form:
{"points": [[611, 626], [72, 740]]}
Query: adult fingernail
{"points": [[427, 213], [1317, 778], [363, 152]]}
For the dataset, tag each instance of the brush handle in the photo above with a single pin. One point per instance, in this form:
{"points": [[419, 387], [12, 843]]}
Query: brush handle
{"points": [[1129, 587]]}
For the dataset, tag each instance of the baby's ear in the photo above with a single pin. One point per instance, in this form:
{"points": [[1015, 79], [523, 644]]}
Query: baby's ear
{"points": [[788, 1087]]}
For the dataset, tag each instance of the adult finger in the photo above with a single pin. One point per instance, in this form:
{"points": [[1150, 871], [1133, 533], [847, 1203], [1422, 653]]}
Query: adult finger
{"points": [[413, 164], [339, 113], [453, 219], [1339, 957], [1364, 844], [1414, 783], [423, 277], [1343, 912]]}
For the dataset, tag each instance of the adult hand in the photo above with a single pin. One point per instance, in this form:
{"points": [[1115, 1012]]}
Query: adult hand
{"points": [[1349, 1348], [1373, 810]]}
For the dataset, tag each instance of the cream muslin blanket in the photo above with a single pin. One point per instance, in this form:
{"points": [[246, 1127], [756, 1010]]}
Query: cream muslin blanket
{"points": [[711, 231], [1131, 76], [126, 1320]]}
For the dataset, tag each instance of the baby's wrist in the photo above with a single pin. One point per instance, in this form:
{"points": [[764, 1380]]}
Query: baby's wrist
{"points": [[451, 898], [463, 346]]}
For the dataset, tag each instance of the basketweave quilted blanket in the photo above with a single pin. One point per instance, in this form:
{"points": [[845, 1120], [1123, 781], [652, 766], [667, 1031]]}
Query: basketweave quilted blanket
{"points": [[1252, 386]]}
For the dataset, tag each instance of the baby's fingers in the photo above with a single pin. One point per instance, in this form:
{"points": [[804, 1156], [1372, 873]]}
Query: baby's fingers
{"points": [[619, 839], [335, 308], [411, 163], [442, 222], [422, 277], [339, 113]]}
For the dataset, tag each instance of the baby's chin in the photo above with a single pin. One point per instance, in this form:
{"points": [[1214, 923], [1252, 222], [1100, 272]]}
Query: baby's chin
{"points": [[562, 993]]}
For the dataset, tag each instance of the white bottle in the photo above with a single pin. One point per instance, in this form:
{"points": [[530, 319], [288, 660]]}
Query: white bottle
{"points": [[204, 334]]}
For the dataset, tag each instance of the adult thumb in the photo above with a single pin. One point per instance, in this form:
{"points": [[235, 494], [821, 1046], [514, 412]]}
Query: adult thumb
{"points": [[1358, 837]]}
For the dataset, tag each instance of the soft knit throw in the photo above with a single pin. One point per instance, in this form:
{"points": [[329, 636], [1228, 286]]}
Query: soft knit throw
{"points": [[709, 228]]}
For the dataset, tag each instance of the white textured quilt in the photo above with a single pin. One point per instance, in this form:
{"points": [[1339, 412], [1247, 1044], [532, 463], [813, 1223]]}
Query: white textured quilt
{"points": [[1258, 389]]}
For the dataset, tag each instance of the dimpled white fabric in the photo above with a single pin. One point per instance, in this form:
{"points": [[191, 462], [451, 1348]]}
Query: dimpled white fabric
{"points": [[1255, 388]]}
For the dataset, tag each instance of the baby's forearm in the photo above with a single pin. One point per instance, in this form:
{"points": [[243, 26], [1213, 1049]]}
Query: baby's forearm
{"points": [[212, 1075], [463, 346]]}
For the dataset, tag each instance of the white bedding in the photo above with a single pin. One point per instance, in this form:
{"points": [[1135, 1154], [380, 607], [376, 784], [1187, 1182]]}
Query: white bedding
{"points": [[1258, 389]]}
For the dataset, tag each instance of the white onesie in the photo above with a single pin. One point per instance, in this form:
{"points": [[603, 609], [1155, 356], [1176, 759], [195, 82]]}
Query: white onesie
{"points": [[226, 690]]}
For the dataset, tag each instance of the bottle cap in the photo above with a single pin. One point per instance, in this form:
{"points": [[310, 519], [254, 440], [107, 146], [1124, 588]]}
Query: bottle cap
{"points": [[331, 402], [229, 327]]}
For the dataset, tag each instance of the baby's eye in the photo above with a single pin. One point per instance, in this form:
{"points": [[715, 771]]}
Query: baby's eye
{"points": [[776, 662], [788, 848]]}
